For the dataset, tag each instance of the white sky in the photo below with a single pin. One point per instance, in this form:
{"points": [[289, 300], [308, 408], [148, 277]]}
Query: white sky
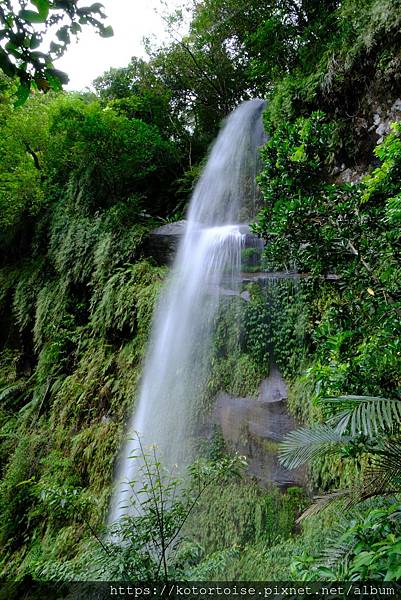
{"points": [[131, 21]]}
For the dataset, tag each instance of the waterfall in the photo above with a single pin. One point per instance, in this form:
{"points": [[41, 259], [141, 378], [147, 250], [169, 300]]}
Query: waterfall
{"points": [[176, 365]]}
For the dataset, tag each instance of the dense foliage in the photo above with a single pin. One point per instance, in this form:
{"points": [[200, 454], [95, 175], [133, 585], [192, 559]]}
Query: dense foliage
{"points": [[79, 186], [345, 236], [84, 177]]}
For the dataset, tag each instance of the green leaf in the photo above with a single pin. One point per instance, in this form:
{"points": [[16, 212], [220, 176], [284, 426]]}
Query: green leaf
{"points": [[22, 94], [56, 78], [63, 34], [299, 154], [55, 48], [106, 32], [393, 573], [364, 559], [396, 548], [75, 28], [43, 7], [35, 41], [31, 16], [13, 50], [6, 65], [97, 7], [10, 391]]}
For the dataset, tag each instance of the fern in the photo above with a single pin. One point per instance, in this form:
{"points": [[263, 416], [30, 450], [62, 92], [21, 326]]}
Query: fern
{"points": [[11, 391], [8, 278], [340, 545], [214, 564], [127, 299], [51, 309], [383, 478], [30, 282], [72, 242]]}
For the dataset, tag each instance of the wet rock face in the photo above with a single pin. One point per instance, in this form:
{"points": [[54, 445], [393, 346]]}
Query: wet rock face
{"points": [[369, 127], [254, 427], [383, 117], [163, 242]]}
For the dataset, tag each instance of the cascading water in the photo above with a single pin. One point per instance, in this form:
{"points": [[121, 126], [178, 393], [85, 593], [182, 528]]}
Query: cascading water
{"points": [[176, 366]]}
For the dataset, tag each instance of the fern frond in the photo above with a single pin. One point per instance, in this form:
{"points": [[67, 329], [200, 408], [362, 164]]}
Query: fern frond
{"points": [[11, 391], [302, 445], [340, 543], [367, 415], [337, 552]]}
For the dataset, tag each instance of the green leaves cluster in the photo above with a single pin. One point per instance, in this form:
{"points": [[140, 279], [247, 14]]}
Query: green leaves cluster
{"points": [[257, 327], [367, 547], [54, 147], [340, 231], [22, 45], [357, 420], [345, 238], [293, 219], [149, 543], [112, 156], [365, 429]]}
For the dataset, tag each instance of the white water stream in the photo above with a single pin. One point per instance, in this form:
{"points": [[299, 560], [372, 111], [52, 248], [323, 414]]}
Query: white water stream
{"points": [[177, 361]]}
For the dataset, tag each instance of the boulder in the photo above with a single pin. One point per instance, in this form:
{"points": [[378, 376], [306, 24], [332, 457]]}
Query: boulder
{"points": [[253, 427]]}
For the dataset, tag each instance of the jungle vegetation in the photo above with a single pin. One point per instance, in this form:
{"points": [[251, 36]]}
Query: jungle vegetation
{"points": [[84, 177]]}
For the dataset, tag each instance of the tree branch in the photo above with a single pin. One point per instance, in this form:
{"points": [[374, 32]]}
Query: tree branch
{"points": [[34, 156]]}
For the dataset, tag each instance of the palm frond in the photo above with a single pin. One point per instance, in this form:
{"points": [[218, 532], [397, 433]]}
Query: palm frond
{"points": [[367, 415], [384, 476], [324, 501], [302, 445]]}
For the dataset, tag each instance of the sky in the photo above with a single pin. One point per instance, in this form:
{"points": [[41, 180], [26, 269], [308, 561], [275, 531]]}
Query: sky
{"points": [[131, 21]]}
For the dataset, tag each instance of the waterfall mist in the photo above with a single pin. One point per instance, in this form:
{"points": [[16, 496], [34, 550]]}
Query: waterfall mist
{"points": [[176, 366]]}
